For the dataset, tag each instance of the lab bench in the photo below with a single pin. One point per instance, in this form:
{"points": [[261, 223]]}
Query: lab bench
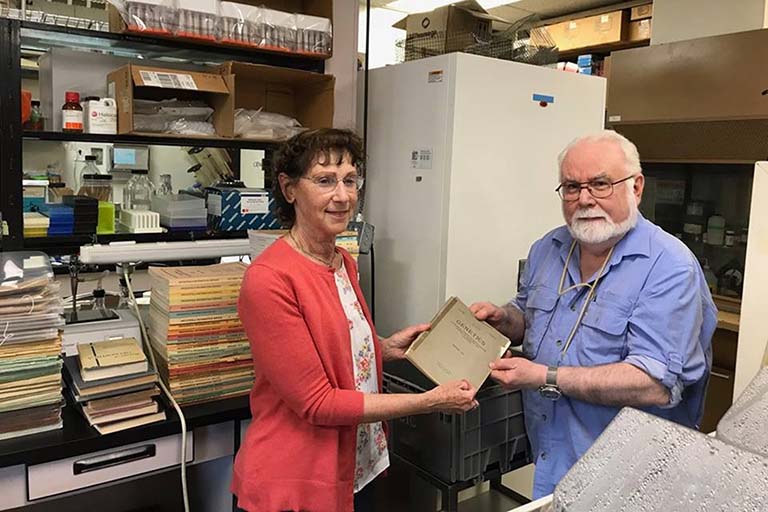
{"points": [[135, 469]]}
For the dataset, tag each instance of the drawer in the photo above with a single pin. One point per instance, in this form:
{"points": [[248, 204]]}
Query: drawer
{"points": [[50, 478]]}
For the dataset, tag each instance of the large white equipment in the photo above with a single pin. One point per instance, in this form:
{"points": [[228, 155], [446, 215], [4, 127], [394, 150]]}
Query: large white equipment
{"points": [[462, 168]]}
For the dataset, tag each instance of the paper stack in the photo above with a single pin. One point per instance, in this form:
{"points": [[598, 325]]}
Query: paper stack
{"points": [[30, 345], [115, 385], [201, 347]]}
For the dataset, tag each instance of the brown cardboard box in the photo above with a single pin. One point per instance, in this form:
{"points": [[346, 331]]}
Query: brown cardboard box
{"points": [[445, 29], [307, 97], [640, 30], [641, 12], [592, 31], [144, 82]]}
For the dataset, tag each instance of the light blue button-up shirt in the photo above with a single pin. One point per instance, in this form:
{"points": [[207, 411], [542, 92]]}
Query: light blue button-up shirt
{"points": [[651, 309]]}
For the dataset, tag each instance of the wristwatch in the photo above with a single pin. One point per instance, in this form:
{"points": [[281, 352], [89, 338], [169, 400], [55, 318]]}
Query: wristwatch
{"points": [[550, 390]]}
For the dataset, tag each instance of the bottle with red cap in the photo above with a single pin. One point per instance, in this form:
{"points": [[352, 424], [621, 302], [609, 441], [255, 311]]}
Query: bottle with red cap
{"points": [[72, 113]]}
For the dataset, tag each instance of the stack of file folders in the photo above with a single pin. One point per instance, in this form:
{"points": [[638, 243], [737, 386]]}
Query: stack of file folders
{"points": [[62, 220], [35, 225], [86, 214], [30, 345], [114, 395], [194, 329]]}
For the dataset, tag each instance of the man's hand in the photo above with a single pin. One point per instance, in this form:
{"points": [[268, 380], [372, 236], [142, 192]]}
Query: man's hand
{"points": [[518, 373], [394, 347], [485, 311]]}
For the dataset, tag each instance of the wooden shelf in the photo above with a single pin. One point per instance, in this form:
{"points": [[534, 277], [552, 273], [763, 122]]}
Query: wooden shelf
{"points": [[604, 49]]}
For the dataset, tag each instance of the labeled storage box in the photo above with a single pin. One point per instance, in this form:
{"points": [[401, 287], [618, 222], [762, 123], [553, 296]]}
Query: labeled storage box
{"points": [[135, 82], [459, 447], [238, 209], [597, 30]]}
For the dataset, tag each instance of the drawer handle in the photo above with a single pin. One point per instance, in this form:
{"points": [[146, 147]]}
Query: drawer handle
{"points": [[721, 375], [113, 459]]}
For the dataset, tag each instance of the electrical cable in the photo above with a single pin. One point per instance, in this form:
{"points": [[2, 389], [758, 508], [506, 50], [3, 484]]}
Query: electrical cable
{"points": [[147, 344]]}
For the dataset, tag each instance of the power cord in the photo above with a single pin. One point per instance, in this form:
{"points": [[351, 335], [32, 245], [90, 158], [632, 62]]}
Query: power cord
{"points": [[148, 346]]}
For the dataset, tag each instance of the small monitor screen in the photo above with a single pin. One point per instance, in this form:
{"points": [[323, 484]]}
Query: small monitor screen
{"points": [[124, 156]]}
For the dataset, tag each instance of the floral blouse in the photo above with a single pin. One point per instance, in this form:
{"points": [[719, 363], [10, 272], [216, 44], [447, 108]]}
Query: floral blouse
{"points": [[372, 456]]}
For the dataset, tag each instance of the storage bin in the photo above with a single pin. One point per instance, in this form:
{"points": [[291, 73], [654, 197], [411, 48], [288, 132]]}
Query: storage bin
{"points": [[459, 447]]}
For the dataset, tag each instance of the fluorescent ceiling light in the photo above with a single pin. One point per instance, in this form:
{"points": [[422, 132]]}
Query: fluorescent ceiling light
{"points": [[490, 4], [413, 6]]}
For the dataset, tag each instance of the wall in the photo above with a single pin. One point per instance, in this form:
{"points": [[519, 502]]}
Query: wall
{"points": [[678, 20], [343, 64], [382, 50]]}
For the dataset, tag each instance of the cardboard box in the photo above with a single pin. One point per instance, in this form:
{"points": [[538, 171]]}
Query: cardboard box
{"points": [[238, 209], [640, 30], [144, 82], [592, 31], [445, 29], [307, 97], [641, 12]]}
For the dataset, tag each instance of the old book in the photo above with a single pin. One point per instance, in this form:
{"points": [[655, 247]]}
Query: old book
{"points": [[123, 414], [117, 426], [457, 346], [111, 358]]}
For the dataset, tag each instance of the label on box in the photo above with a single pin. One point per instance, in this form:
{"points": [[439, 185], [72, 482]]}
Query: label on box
{"points": [[168, 80], [572, 25], [435, 77], [421, 159], [254, 204], [214, 204], [614, 119]]}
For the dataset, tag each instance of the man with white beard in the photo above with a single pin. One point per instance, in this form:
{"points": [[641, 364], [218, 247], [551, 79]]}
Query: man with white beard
{"points": [[612, 311]]}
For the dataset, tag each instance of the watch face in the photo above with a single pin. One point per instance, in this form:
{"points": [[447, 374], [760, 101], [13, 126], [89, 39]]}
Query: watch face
{"points": [[550, 392]]}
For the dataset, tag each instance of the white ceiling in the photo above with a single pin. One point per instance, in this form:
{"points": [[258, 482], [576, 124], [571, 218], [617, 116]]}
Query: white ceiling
{"points": [[522, 8], [547, 8]]}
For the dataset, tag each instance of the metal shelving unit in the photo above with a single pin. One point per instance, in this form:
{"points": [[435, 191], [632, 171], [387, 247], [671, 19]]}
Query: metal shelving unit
{"points": [[18, 35]]}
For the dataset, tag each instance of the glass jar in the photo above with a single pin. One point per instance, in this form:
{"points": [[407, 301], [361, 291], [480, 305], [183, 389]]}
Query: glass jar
{"points": [[72, 113], [89, 168], [165, 188], [139, 191], [98, 186]]}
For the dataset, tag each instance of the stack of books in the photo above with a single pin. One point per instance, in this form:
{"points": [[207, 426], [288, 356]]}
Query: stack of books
{"points": [[30, 346], [115, 385], [201, 347]]}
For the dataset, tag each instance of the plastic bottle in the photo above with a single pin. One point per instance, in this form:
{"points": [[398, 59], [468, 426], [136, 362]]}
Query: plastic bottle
{"points": [[72, 113], [716, 230], [88, 168], [35, 122]]}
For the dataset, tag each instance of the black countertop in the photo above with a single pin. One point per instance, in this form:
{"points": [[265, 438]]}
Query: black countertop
{"points": [[79, 438]]}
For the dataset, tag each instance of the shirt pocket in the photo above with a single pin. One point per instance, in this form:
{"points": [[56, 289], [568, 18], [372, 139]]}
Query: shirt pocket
{"points": [[603, 336], [538, 315]]}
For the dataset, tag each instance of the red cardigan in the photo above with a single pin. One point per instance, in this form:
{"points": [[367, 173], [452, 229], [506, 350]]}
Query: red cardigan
{"points": [[299, 451]]}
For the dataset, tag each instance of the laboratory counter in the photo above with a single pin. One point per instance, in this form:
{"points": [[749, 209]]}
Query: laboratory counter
{"points": [[79, 438]]}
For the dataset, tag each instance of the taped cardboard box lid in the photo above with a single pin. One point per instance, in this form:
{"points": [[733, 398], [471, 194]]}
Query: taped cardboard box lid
{"points": [[145, 76], [469, 7]]}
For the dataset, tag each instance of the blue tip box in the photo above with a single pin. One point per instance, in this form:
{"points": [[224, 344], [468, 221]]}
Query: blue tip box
{"points": [[238, 209]]}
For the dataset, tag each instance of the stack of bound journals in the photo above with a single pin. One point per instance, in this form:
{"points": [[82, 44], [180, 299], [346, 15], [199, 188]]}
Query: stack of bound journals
{"points": [[201, 347], [30, 345], [115, 385]]}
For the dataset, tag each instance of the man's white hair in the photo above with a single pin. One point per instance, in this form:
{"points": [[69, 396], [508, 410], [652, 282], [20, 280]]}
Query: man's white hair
{"points": [[631, 155]]}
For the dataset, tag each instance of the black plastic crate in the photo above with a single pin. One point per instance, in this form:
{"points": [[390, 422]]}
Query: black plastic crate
{"points": [[459, 447]]}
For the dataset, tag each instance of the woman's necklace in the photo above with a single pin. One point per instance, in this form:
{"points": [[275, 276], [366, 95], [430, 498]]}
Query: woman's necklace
{"points": [[328, 262]]}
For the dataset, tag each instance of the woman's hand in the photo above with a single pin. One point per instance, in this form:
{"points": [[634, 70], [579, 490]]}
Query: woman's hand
{"points": [[453, 398], [394, 347]]}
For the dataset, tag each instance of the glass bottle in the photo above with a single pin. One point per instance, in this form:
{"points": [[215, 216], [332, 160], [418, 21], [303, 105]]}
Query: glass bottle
{"points": [[165, 188], [139, 190], [89, 168], [72, 113]]}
